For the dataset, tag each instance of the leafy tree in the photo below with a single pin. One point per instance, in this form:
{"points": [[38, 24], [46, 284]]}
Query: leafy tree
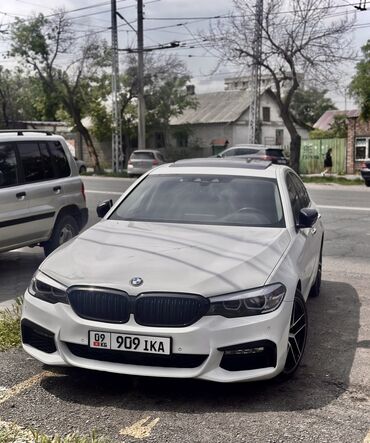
{"points": [[308, 105], [297, 39], [40, 43], [360, 85]]}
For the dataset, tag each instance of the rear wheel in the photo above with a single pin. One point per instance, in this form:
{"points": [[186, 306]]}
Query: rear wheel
{"points": [[297, 337], [65, 229]]}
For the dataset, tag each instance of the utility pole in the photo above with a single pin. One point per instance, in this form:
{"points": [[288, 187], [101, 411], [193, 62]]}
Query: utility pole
{"points": [[116, 114], [140, 49], [254, 109]]}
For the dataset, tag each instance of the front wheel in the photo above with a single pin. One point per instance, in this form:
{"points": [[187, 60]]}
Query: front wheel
{"points": [[65, 229], [367, 183], [297, 337]]}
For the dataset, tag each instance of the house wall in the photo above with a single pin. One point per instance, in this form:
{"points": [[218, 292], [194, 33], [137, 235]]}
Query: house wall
{"points": [[356, 128]]}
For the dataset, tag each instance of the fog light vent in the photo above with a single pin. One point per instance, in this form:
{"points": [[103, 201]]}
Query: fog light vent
{"points": [[248, 356]]}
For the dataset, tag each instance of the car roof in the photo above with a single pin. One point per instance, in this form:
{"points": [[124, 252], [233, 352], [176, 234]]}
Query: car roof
{"points": [[145, 150], [219, 166]]}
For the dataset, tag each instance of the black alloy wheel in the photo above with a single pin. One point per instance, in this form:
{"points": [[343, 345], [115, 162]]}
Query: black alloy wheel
{"points": [[297, 336]]}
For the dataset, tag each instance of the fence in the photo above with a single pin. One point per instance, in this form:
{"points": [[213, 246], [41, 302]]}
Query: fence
{"points": [[313, 153]]}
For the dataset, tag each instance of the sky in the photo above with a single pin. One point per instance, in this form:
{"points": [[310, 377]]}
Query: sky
{"points": [[174, 18]]}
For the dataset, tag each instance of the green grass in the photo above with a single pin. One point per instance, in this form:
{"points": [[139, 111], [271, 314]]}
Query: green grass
{"points": [[330, 180], [10, 336], [12, 433]]}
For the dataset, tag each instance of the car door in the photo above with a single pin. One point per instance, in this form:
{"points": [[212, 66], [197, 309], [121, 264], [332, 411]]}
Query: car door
{"points": [[43, 190], [13, 200], [304, 241]]}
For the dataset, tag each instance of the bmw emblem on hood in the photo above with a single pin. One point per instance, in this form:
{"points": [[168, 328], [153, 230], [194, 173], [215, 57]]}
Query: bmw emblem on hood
{"points": [[136, 281]]}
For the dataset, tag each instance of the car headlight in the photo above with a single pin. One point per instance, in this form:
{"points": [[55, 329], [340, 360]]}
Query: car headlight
{"points": [[47, 289], [254, 302]]}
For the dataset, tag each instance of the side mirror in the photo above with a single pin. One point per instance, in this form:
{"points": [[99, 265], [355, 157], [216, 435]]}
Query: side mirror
{"points": [[103, 208], [307, 218]]}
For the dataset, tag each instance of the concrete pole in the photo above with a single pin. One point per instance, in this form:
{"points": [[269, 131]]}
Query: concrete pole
{"points": [[141, 100]]}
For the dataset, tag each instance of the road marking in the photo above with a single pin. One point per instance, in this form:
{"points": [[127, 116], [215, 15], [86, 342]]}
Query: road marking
{"points": [[141, 429], [367, 438], [23, 386], [103, 192], [345, 208]]}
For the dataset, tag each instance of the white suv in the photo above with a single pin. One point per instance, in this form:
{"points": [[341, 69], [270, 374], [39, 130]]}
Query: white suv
{"points": [[42, 200]]}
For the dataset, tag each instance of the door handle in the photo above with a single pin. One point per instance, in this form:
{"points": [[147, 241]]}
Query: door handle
{"points": [[313, 231], [21, 195], [57, 189]]}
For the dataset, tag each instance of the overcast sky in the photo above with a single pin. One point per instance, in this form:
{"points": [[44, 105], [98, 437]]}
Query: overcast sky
{"points": [[201, 63]]}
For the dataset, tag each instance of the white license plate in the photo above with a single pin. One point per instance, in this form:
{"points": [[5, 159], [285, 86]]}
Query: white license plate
{"points": [[129, 342]]}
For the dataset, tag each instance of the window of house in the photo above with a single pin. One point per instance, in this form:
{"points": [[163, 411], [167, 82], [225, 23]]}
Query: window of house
{"points": [[362, 148], [266, 114], [279, 137]]}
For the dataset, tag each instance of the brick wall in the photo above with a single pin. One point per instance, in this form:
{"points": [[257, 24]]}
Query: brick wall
{"points": [[356, 128]]}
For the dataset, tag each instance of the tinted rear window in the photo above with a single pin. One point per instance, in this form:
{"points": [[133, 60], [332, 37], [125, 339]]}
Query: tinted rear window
{"points": [[275, 152], [204, 199], [8, 166], [142, 155], [59, 159], [32, 162]]}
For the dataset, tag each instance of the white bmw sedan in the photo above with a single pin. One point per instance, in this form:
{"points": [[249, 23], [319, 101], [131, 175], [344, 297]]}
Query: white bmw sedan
{"points": [[201, 269]]}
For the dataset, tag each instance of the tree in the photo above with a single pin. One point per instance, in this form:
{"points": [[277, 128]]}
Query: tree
{"points": [[40, 43], [297, 39], [165, 94], [308, 105], [360, 85]]}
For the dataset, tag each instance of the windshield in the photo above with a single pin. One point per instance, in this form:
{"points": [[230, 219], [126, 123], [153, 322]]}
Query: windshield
{"points": [[204, 199]]}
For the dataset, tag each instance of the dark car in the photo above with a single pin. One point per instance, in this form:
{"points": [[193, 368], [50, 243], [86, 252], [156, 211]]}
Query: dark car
{"points": [[274, 154], [365, 172]]}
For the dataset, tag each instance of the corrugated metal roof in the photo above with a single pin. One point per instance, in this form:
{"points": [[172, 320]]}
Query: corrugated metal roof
{"points": [[215, 107], [325, 121]]}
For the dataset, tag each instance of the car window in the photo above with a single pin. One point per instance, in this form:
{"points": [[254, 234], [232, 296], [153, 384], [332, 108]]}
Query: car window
{"points": [[49, 172], [275, 152], [245, 151], [8, 166], [32, 162], [204, 199], [59, 159], [228, 153], [293, 197], [302, 192], [142, 155]]}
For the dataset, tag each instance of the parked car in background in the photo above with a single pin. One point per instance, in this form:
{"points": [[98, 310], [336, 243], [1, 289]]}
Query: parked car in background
{"points": [[365, 172], [274, 154], [142, 161], [201, 270], [42, 197], [81, 166]]}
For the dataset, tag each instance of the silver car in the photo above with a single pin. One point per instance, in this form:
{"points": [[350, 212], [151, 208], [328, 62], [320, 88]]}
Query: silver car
{"points": [[142, 161], [42, 198]]}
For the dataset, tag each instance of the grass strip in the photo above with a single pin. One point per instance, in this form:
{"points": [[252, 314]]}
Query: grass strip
{"points": [[10, 320], [335, 180]]}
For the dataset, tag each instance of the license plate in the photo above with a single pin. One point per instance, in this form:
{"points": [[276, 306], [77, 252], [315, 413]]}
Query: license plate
{"points": [[129, 342]]}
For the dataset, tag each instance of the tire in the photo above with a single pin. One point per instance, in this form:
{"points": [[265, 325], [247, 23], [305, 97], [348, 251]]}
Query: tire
{"points": [[65, 228], [315, 290], [83, 170], [297, 337], [367, 183]]}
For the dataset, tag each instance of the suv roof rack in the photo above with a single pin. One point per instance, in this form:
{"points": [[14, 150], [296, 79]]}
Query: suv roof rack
{"points": [[22, 131], [235, 162]]}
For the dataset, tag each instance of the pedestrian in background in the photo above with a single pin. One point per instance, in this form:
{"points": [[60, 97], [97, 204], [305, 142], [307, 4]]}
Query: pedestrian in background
{"points": [[328, 163]]}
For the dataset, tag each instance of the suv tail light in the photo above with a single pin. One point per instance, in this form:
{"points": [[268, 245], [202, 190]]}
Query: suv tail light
{"points": [[83, 191], [155, 162], [268, 157]]}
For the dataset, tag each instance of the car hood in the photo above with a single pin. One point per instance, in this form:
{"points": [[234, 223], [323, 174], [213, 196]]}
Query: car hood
{"points": [[200, 259]]}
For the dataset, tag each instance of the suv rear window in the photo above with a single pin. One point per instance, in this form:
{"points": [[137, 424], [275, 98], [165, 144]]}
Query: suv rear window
{"points": [[32, 162], [8, 166], [142, 155], [60, 160]]}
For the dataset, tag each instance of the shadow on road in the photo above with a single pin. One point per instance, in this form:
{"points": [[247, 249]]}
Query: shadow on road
{"points": [[322, 378]]}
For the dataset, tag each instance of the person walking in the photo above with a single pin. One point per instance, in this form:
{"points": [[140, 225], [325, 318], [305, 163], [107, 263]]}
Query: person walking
{"points": [[328, 163]]}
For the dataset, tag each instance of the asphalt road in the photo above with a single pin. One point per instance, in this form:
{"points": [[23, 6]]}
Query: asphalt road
{"points": [[327, 401]]}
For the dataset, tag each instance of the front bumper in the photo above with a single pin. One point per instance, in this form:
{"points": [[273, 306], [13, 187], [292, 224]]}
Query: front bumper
{"points": [[202, 343]]}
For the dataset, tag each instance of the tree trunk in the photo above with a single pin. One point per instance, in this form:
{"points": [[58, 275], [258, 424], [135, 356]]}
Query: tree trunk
{"points": [[295, 143], [90, 146]]}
